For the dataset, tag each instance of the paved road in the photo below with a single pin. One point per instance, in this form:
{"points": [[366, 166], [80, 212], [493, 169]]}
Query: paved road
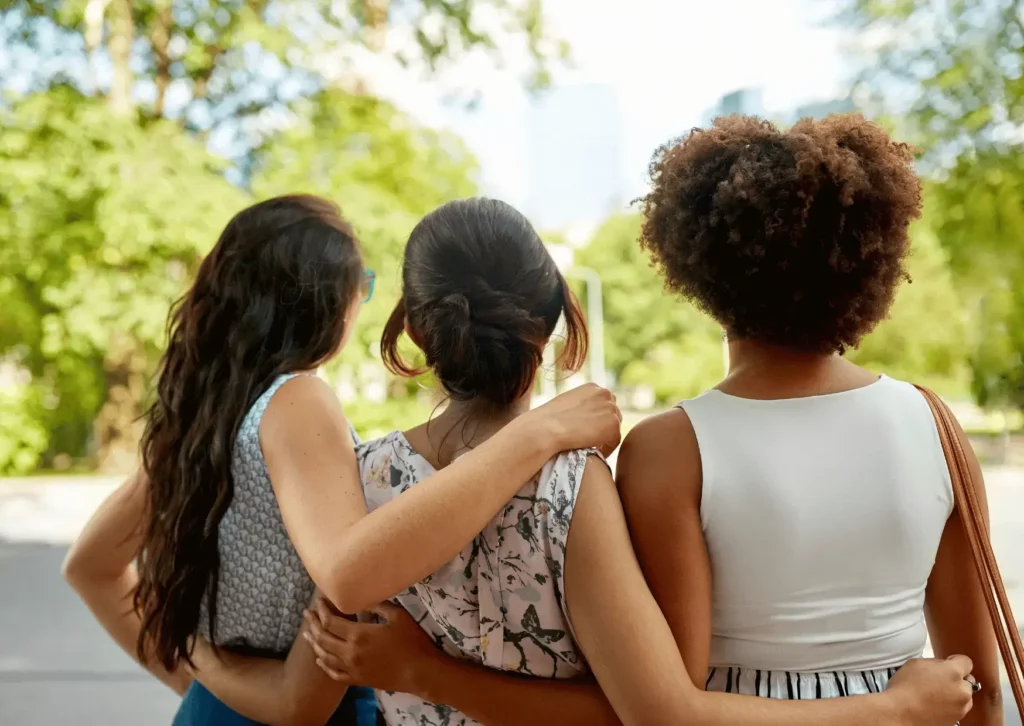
{"points": [[58, 667]]}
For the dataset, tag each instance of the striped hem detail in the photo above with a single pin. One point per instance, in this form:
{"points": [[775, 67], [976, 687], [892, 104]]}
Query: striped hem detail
{"points": [[789, 685]]}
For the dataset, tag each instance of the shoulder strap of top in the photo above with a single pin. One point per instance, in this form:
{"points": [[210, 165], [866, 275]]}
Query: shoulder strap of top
{"points": [[965, 495], [264, 399]]}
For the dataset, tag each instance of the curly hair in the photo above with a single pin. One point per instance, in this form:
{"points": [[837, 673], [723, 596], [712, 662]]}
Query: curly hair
{"points": [[796, 239]]}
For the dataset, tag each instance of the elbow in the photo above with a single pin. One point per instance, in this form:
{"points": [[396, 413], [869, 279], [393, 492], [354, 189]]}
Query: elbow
{"points": [[80, 571], [349, 589], [991, 699], [73, 570]]}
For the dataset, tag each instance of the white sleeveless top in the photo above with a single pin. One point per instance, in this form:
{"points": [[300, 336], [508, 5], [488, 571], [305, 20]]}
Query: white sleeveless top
{"points": [[822, 517], [500, 602]]}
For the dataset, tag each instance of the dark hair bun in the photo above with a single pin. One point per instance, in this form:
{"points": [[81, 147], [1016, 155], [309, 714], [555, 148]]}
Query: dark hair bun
{"points": [[480, 349], [483, 296]]}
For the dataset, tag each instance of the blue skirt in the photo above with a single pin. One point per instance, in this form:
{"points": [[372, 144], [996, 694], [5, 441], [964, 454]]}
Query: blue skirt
{"points": [[202, 708]]}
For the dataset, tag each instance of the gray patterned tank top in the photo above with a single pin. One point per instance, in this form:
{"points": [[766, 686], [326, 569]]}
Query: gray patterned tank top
{"points": [[500, 601], [263, 586]]}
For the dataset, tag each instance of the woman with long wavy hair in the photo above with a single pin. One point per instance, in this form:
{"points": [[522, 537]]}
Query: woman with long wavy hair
{"points": [[509, 631], [249, 492]]}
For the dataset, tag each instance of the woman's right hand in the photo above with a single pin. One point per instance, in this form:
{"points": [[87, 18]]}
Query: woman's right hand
{"points": [[585, 417], [389, 655], [930, 691]]}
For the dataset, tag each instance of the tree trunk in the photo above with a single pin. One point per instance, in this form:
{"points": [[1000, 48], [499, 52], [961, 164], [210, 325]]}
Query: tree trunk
{"points": [[94, 11], [160, 37], [118, 425], [122, 36], [377, 24]]}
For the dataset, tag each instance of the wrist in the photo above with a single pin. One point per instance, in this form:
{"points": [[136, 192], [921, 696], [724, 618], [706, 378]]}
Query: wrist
{"points": [[891, 708], [537, 435]]}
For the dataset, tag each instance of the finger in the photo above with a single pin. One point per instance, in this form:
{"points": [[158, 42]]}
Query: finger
{"points": [[329, 641], [334, 675], [324, 605], [388, 611], [336, 624], [962, 663], [323, 612], [329, 659], [312, 623]]}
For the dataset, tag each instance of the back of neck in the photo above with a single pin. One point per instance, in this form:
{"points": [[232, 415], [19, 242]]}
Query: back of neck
{"points": [[462, 426], [763, 371]]}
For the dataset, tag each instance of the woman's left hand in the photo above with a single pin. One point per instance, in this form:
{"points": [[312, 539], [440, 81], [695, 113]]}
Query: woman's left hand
{"points": [[390, 655]]}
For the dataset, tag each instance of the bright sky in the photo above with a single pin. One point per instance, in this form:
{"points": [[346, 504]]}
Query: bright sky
{"points": [[667, 61]]}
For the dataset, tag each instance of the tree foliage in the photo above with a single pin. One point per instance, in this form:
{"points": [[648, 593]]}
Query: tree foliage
{"points": [[652, 338], [214, 62], [102, 223], [924, 338], [953, 73]]}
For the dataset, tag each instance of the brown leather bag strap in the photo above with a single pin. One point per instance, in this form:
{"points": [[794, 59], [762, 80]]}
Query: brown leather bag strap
{"points": [[965, 496]]}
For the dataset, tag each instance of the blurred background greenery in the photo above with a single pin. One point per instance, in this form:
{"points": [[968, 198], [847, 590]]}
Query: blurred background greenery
{"points": [[111, 192]]}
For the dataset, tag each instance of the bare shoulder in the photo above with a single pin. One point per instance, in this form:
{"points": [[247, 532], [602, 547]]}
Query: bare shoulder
{"points": [[596, 470], [306, 407], [659, 462]]}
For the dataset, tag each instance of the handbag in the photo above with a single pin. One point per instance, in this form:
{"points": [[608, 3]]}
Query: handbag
{"points": [[965, 498]]}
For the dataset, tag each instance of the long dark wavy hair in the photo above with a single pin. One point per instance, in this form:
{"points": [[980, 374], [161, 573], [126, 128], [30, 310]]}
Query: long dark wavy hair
{"points": [[270, 298]]}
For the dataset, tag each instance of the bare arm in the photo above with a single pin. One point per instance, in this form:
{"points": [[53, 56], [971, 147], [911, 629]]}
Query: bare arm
{"points": [[290, 692], [396, 655], [100, 568], [958, 619], [501, 699], [659, 481], [358, 560], [631, 648]]}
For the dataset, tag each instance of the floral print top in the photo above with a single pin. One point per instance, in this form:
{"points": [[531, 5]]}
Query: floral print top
{"points": [[500, 602]]}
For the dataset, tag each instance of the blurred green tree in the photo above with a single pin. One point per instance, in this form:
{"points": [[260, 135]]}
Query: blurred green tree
{"points": [[102, 224], [213, 63], [652, 338], [952, 73], [923, 340]]}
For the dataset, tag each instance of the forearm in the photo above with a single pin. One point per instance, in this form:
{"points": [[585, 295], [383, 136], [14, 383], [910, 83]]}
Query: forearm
{"points": [[722, 709], [988, 710], [253, 687], [408, 538], [110, 602], [291, 692], [502, 699]]}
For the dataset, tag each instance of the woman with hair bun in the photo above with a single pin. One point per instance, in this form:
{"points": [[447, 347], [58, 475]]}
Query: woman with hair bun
{"points": [[796, 522], [506, 632]]}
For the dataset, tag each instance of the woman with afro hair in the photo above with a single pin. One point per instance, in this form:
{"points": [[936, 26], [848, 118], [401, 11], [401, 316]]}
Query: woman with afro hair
{"points": [[796, 522]]}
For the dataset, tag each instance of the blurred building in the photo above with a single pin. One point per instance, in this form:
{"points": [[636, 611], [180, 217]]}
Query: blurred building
{"points": [[746, 101], [821, 109], [574, 156]]}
